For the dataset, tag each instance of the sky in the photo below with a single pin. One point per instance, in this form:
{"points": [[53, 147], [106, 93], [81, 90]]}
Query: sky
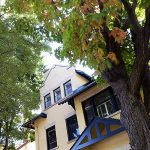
{"points": [[2, 2], [50, 60]]}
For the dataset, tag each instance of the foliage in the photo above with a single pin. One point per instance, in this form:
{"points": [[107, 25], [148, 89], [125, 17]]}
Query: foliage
{"points": [[78, 25], [21, 44]]}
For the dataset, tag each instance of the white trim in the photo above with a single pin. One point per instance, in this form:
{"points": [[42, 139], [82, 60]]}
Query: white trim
{"points": [[113, 114], [50, 125], [55, 148], [69, 115]]}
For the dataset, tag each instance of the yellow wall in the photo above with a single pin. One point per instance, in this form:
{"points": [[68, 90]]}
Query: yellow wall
{"points": [[56, 114], [78, 104], [1, 148], [116, 142]]}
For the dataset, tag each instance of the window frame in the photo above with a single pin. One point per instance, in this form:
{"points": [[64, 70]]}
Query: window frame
{"points": [[54, 94], [47, 138], [67, 126], [112, 99], [99, 108], [69, 81], [45, 102]]}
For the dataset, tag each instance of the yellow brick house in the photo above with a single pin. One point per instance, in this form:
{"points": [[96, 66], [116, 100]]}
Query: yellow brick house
{"points": [[76, 113]]}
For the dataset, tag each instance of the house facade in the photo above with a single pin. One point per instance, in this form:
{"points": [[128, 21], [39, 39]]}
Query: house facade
{"points": [[76, 113]]}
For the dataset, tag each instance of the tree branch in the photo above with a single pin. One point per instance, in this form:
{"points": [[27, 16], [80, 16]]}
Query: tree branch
{"points": [[9, 51], [147, 23], [146, 89], [134, 4], [126, 24], [131, 14], [140, 39]]}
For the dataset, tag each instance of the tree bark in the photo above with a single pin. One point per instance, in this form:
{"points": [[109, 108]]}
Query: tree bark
{"points": [[133, 117], [146, 89]]}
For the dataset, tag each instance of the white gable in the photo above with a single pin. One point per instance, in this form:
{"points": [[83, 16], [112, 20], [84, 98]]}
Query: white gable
{"points": [[57, 76]]}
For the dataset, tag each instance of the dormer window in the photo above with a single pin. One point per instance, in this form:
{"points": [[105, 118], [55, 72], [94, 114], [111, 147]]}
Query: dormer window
{"points": [[47, 100], [57, 94], [68, 88]]}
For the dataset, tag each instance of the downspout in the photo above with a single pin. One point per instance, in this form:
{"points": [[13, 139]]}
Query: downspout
{"points": [[38, 144]]}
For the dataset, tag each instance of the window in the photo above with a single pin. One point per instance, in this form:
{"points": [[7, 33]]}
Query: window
{"points": [[51, 138], [102, 105], [47, 100], [57, 94], [105, 109], [89, 111], [68, 88], [72, 127]]}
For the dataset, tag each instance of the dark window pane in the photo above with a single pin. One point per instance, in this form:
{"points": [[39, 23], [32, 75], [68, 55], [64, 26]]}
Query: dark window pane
{"points": [[88, 109], [68, 88], [72, 127], [57, 94], [52, 145], [102, 97], [110, 107], [47, 101], [51, 138]]}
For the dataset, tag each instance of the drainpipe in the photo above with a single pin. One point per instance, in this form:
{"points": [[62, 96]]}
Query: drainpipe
{"points": [[38, 144]]}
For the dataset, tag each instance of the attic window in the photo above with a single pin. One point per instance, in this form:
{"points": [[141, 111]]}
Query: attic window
{"points": [[57, 94], [47, 101], [68, 88]]}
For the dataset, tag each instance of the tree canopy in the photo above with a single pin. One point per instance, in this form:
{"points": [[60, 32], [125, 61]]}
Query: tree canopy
{"points": [[21, 44]]}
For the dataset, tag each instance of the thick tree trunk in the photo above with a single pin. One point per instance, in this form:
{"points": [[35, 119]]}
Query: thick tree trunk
{"points": [[146, 89], [133, 117]]}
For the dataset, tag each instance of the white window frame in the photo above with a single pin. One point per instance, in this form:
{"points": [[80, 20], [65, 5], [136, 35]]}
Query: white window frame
{"points": [[99, 110]]}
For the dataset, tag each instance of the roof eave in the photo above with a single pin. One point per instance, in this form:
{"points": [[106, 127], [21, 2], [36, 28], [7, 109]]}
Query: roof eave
{"points": [[29, 124], [66, 99]]}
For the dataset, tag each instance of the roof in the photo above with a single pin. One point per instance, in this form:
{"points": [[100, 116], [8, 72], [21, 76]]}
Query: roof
{"points": [[22, 145], [98, 125], [29, 124], [83, 74], [78, 91]]}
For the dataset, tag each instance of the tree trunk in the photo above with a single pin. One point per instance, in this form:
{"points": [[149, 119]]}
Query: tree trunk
{"points": [[133, 117], [6, 144], [146, 89]]}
